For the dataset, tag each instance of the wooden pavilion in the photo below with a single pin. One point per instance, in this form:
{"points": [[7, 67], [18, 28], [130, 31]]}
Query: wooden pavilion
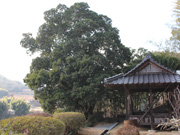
{"points": [[148, 77]]}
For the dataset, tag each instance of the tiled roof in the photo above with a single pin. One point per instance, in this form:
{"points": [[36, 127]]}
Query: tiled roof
{"points": [[146, 79], [133, 77]]}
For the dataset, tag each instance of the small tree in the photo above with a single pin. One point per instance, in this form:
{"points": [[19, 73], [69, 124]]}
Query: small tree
{"points": [[20, 107], [3, 109]]}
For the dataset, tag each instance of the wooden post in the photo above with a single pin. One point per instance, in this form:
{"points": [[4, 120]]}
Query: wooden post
{"points": [[131, 107], [151, 109], [169, 106], [127, 102]]}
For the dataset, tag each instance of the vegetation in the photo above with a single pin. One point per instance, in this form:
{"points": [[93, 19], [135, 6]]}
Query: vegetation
{"points": [[34, 125], [19, 106], [11, 86], [174, 100], [78, 49], [40, 114], [72, 120], [174, 44], [168, 59], [66, 123], [3, 92], [3, 109]]}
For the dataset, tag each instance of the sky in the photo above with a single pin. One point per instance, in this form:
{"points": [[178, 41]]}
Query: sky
{"points": [[138, 21]]}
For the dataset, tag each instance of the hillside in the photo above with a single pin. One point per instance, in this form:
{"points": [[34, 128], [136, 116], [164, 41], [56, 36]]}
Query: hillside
{"points": [[11, 86]]}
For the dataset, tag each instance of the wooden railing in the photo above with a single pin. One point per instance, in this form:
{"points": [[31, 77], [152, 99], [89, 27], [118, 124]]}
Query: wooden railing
{"points": [[158, 118]]}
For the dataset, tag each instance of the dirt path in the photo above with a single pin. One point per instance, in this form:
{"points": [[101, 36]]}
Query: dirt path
{"points": [[98, 129]]}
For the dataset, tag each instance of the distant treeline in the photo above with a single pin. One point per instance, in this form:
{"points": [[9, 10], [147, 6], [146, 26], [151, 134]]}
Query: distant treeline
{"points": [[11, 86]]}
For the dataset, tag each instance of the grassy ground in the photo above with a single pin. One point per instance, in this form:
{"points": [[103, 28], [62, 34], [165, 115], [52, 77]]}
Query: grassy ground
{"points": [[98, 129]]}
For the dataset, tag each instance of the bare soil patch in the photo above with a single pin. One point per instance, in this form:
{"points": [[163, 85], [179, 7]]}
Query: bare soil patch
{"points": [[98, 129]]}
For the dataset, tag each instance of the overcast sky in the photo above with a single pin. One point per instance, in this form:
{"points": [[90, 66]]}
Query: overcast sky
{"points": [[139, 21]]}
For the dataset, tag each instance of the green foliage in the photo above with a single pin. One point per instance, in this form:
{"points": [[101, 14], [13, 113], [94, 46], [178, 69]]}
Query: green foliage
{"points": [[11, 86], [40, 114], [3, 92], [73, 121], [136, 57], [59, 110], [95, 118], [18, 105], [78, 49], [8, 100], [170, 60], [34, 125], [3, 109]]}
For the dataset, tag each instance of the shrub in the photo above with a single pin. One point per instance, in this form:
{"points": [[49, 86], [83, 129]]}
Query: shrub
{"points": [[3, 109], [128, 130], [40, 114], [7, 99], [59, 110], [20, 107], [72, 120], [35, 125]]}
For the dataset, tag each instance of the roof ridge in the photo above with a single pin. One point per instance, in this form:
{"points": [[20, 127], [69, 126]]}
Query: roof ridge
{"points": [[148, 57], [113, 77]]}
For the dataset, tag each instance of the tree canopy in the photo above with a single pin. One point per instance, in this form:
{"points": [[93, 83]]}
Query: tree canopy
{"points": [[78, 49]]}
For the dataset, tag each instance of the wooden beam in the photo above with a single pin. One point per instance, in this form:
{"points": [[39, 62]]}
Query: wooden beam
{"points": [[151, 106]]}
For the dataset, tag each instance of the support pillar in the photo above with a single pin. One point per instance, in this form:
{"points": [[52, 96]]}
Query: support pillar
{"points": [[127, 103], [131, 103], [151, 109]]}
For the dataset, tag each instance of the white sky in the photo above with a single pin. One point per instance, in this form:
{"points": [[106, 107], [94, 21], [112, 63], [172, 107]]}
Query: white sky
{"points": [[139, 21]]}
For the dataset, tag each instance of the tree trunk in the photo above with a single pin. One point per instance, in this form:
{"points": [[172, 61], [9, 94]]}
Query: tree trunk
{"points": [[89, 111]]}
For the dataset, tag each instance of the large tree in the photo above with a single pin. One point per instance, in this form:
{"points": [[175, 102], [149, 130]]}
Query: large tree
{"points": [[78, 49]]}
